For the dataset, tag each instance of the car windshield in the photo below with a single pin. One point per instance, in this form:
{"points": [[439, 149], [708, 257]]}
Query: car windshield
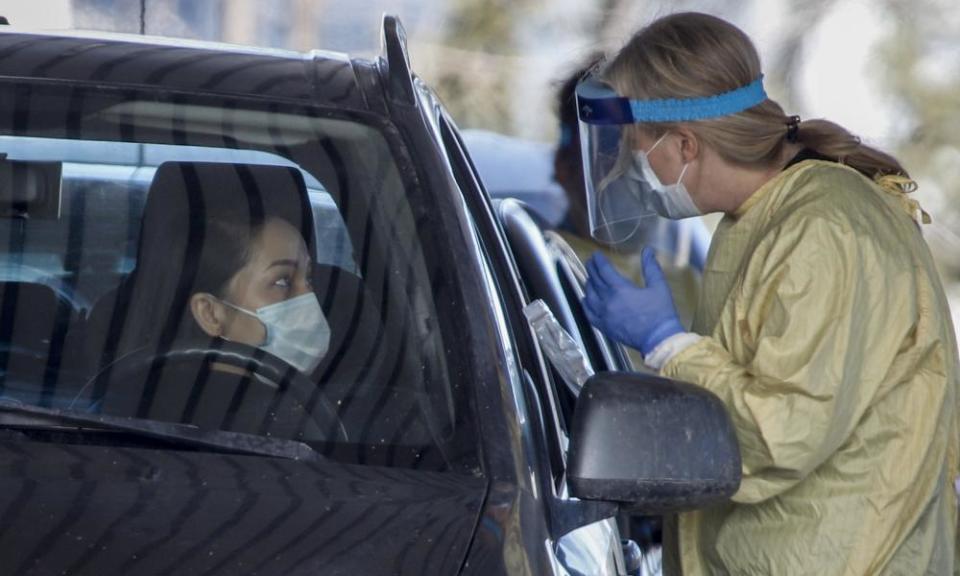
{"points": [[225, 264]]}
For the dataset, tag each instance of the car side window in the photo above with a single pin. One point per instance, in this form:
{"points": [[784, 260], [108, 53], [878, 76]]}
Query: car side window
{"points": [[604, 354], [548, 276], [226, 266]]}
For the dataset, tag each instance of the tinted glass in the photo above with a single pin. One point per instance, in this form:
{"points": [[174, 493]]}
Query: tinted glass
{"points": [[230, 266]]}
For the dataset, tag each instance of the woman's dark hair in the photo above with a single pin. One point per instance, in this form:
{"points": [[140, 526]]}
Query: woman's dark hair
{"points": [[226, 249], [227, 245]]}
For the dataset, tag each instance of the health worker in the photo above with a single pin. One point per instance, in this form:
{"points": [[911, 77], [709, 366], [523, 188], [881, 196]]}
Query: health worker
{"points": [[822, 324]]}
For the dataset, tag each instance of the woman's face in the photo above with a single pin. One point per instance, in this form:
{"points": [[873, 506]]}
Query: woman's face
{"points": [[278, 268]]}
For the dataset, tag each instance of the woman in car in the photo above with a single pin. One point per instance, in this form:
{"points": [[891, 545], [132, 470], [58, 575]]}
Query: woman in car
{"points": [[224, 257], [822, 323], [255, 289]]}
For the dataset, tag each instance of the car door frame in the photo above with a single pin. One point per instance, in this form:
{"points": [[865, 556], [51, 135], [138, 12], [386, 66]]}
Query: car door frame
{"points": [[565, 513]]}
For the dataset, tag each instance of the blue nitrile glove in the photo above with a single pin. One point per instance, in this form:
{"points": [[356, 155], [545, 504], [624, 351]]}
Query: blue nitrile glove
{"points": [[641, 318]]}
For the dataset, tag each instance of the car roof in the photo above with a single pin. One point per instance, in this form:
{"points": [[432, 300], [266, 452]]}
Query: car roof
{"points": [[153, 63]]}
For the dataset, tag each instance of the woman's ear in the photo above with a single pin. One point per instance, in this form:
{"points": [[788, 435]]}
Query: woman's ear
{"points": [[209, 313], [689, 144]]}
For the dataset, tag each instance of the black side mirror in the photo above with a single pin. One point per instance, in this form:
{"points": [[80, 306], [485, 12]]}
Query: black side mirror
{"points": [[653, 444]]}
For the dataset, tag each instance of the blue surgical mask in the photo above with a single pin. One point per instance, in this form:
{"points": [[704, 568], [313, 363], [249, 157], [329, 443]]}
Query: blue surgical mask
{"points": [[297, 331], [668, 200]]}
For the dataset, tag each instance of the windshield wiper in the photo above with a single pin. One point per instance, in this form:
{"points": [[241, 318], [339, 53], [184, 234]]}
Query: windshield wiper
{"points": [[16, 415]]}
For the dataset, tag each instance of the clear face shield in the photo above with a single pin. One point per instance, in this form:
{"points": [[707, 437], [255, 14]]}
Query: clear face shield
{"points": [[618, 195], [622, 194]]}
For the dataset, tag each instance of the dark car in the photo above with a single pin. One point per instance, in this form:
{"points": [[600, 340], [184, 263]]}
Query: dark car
{"points": [[434, 436]]}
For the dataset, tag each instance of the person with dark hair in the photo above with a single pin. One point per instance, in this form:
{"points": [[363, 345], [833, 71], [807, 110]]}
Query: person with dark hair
{"points": [[822, 327], [255, 289], [225, 255]]}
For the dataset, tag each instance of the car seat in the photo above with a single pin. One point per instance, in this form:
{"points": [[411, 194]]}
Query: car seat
{"points": [[33, 324]]}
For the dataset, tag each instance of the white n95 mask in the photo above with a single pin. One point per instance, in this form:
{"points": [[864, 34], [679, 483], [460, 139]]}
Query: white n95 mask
{"points": [[297, 330], [669, 200]]}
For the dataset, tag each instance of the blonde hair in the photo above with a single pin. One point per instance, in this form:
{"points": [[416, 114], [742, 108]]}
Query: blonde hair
{"points": [[689, 55]]}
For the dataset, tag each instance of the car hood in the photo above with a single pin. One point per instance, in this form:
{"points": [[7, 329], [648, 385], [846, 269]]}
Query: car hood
{"points": [[74, 509]]}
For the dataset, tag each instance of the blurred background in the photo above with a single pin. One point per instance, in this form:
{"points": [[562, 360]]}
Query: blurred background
{"points": [[889, 70]]}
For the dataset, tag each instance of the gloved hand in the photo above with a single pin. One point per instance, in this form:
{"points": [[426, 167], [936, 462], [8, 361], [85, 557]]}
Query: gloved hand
{"points": [[639, 317]]}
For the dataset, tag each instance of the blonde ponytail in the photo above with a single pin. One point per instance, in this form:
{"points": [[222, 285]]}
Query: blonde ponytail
{"points": [[836, 142]]}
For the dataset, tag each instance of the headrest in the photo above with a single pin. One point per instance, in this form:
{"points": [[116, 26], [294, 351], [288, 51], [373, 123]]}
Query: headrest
{"points": [[185, 194]]}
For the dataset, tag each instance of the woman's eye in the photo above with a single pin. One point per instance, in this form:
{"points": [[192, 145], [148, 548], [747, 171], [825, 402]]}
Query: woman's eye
{"points": [[282, 282]]}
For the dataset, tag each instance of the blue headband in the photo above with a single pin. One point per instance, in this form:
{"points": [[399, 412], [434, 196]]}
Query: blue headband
{"points": [[599, 104]]}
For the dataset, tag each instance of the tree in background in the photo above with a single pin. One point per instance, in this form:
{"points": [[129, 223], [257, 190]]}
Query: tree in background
{"points": [[473, 70], [922, 71], [919, 72]]}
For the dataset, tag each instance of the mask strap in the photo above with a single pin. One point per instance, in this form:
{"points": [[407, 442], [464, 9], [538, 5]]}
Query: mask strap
{"points": [[266, 331], [682, 172], [657, 143], [238, 308]]}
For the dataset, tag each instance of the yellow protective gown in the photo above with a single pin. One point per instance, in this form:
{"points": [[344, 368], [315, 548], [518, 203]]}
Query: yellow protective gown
{"points": [[829, 339]]}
